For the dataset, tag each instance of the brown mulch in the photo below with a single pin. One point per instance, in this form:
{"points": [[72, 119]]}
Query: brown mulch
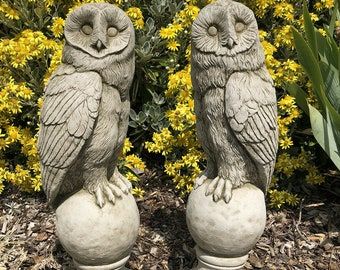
{"points": [[304, 238]]}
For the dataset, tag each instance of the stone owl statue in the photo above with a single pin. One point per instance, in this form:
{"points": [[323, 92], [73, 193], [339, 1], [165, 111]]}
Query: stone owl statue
{"points": [[84, 118], [235, 100]]}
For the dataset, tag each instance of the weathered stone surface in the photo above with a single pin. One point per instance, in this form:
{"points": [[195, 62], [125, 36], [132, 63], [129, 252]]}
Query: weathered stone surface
{"points": [[235, 105], [85, 114], [84, 121], [96, 236], [226, 230], [235, 100]]}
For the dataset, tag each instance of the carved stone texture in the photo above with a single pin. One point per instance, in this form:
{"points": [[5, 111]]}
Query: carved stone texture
{"points": [[235, 105], [225, 233], [84, 121], [112, 237]]}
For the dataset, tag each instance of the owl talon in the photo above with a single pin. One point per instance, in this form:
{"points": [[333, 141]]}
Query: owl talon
{"points": [[116, 191], [211, 187], [100, 197], [105, 190], [123, 187], [227, 191], [121, 182], [220, 188], [109, 194]]}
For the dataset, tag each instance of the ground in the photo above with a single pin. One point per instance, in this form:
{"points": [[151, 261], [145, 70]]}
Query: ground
{"points": [[303, 238]]}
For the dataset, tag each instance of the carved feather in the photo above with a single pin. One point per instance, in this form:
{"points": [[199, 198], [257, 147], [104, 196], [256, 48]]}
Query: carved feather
{"points": [[254, 122], [67, 119]]}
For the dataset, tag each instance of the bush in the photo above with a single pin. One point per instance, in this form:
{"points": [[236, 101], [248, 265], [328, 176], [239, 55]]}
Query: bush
{"points": [[30, 50]]}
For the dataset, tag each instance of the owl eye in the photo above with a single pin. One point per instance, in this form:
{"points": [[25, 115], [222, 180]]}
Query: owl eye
{"points": [[112, 31], [239, 27], [212, 31], [86, 29]]}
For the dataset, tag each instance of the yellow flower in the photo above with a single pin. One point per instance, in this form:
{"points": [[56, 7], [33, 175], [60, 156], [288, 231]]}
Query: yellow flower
{"points": [[3, 144], [287, 103], [48, 3], [191, 11], [134, 162], [36, 183], [285, 164], [286, 143], [127, 146], [136, 17], [322, 32], [138, 192], [173, 45], [279, 198], [13, 134], [167, 33], [162, 142], [284, 10], [131, 177], [283, 37], [9, 12], [58, 26]]}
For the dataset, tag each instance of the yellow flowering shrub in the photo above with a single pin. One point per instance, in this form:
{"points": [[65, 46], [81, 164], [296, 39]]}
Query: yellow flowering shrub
{"points": [[163, 119]]}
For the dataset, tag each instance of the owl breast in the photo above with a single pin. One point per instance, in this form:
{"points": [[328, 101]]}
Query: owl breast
{"points": [[105, 134]]}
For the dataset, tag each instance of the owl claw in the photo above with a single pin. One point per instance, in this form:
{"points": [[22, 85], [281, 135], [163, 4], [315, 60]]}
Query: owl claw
{"points": [[220, 188], [211, 187], [100, 197], [227, 191], [116, 191], [121, 182], [106, 190]]}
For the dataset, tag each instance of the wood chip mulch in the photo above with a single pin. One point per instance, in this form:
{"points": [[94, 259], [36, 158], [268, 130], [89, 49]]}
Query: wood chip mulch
{"points": [[304, 238]]}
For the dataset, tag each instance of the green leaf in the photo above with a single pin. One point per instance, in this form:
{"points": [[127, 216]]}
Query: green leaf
{"points": [[333, 19], [310, 30], [332, 84], [327, 52], [133, 115], [310, 65], [333, 44], [133, 124], [300, 96], [325, 134]]}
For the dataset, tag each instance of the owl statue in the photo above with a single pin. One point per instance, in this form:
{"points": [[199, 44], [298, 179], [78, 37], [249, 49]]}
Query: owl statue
{"points": [[84, 118], [235, 101]]}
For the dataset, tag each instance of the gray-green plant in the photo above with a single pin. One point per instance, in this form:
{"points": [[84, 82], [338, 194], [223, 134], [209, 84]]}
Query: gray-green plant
{"points": [[319, 55]]}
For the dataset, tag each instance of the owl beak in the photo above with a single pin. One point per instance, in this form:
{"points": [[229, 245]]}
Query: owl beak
{"points": [[99, 46], [230, 42]]}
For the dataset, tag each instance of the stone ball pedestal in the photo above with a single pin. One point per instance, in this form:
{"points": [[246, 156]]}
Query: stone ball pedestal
{"points": [[98, 238], [225, 233]]}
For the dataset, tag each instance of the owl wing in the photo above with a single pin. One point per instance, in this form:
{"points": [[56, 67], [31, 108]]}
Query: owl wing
{"points": [[68, 115], [251, 110]]}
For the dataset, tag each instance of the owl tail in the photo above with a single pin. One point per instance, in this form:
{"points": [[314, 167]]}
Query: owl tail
{"points": [[51, 180], [265, 173]]}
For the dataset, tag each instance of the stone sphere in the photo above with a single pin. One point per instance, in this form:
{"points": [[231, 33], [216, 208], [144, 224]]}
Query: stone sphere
{"points": [[97, 236], [227, 230]]}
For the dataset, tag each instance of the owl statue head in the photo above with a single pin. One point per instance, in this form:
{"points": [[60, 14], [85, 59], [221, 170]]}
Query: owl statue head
{"points": [[97, 34], [228, 30]]}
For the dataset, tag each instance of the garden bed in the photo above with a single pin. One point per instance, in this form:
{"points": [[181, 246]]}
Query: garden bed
{"points": [[303, 238]]}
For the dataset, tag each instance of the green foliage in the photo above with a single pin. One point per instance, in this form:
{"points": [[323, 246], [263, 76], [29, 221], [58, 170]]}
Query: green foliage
{"points": [[319, 56]]}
